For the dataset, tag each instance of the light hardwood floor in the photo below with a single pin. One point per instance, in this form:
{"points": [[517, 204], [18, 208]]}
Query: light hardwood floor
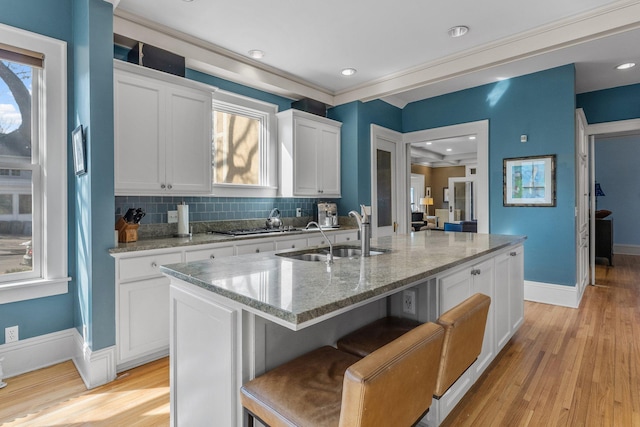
{"points": [[564, 367]]}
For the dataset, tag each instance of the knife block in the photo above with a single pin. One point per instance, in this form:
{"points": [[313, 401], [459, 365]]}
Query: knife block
{"points": [[127, 233]]}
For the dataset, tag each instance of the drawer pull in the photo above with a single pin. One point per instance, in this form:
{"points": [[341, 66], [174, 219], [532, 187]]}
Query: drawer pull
{"points": [[169, 186], [513, 254], [322, 242], [475, 271], [154, 264], [163, 186], [348, 238], [257, 250], [293, 246], [212, 256]]}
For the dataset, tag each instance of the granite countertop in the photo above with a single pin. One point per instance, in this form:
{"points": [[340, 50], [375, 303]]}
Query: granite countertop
{"points": [[207, 238], [293, 292]]}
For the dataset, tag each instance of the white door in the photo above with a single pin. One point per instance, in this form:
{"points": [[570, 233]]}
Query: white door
{"points": [[462, 199], [582, 201], [384, 194]]}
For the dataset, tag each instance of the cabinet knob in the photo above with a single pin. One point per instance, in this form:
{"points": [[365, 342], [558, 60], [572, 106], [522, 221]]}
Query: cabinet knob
{"points": [[212, 256], [348, 238], [153, 264], [475, 271], [293, 246], [169, 186], [513, 254], [163, 186], [257, 250], [322, 242]]}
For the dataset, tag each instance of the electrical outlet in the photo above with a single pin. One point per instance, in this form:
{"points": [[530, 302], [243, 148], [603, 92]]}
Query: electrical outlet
{"points": [[172, 217], [298, 212], [11, 334], [409, 301]]}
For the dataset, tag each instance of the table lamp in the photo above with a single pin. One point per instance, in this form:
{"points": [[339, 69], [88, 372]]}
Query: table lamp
{"points": [[426, 201]]}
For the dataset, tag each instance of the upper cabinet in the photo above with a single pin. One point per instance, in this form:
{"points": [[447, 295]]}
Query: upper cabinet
{"points": [[309, 155], [162, 135]]}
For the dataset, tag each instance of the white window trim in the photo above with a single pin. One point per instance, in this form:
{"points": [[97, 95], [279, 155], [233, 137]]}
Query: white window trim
{"points": [[234, 103], [53, 151]]}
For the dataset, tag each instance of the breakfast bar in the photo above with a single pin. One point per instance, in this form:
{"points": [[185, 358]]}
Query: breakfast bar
{"points": [[233, 319]]}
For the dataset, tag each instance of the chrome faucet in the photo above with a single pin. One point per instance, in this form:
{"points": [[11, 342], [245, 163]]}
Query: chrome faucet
{"points": [[330, 256], [365, 230]]}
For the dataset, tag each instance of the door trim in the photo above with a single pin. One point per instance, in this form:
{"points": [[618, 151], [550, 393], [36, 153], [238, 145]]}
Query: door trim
{"points": [[481, 130], [403, 179]]}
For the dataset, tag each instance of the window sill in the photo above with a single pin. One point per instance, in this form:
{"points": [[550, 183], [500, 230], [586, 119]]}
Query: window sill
{"points": [[229, 190], [32, 289]]}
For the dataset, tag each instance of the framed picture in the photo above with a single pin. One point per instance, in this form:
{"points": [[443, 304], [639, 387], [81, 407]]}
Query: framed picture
{"points": [[445, 192], [77, 140], [529, 181], [427, 192]]}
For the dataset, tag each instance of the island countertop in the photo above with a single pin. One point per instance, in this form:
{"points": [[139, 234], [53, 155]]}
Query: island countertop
{"points": [[294, 292]]}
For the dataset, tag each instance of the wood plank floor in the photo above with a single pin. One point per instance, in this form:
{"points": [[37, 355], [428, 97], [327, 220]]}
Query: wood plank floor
{"points": [[564, 367]]}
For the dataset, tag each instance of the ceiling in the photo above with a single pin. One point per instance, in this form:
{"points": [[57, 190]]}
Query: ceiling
{"points": [[401, 49]]}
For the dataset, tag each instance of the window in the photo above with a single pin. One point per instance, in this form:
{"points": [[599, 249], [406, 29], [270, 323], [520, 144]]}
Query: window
{"points": [[33, 199], [244, 158]]}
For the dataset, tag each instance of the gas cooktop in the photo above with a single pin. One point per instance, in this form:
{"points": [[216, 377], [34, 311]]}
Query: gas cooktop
{"points": [[248, 231]]}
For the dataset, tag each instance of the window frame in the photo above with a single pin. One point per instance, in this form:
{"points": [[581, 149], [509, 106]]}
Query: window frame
{"points": [[265, 112], [51, 241]]}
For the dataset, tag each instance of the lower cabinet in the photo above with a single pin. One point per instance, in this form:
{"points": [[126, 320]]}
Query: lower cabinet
{"points": [[502, 278], [142, 292]]}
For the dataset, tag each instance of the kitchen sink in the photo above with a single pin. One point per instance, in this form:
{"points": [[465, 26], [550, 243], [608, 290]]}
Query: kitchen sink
{"points": [[320, 254]]}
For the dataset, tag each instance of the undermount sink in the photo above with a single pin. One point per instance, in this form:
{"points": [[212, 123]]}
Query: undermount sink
{"points": [[321, 254]]}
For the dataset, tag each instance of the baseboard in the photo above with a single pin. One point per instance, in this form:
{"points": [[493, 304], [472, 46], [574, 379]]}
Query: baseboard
{"points": [[95, 367], [626, 249], [38, 352], [566, 296]]}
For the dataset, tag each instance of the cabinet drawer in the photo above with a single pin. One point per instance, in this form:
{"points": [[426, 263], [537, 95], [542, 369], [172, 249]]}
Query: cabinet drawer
{"points": [[253, 248], [146, 266], [292, 244], [319, 240], [346, 237], [210, 253]]}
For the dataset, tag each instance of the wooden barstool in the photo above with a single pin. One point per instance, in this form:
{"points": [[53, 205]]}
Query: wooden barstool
{"points": [[464, 327], [392, 386]]}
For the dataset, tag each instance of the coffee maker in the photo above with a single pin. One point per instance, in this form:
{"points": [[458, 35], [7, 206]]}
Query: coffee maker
{"points": [[328, 214]]}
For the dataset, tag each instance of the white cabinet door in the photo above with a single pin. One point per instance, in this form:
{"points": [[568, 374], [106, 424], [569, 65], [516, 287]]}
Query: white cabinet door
{"points": [[483, 282], [501, 301], [144, 318], [188, 166], [329, 161], [309, 155], [305, 167], [162, 134], [516, 288], [139, 133]]}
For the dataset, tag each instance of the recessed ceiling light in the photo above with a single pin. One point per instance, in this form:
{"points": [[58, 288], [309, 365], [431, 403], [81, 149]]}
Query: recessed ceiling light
{"points": [[348, 71], [256, 53], [458, 31], [449, 149], [429, 143], [187, 1], [626, 66], [472, 137]]}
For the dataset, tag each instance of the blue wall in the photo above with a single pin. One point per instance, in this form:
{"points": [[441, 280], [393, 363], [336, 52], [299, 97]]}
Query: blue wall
{"points": [[355, 153], [617, 162], [542, 106], [609, 105]]}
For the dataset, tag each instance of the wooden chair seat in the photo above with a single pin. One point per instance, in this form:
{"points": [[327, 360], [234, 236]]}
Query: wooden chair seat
{"points": [[328, 387], [464, 327]]}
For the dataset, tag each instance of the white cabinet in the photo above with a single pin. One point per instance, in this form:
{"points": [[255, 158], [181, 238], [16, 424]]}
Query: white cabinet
{"points": [[509, 295], [346, 236], [297, 243], [309, 155], [209, 253], [142, 314], [454, 289], [254, 247], [162, 134]]}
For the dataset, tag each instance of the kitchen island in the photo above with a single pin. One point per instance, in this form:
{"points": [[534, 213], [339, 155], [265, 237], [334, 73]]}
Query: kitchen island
{"points": [[234, 318]]}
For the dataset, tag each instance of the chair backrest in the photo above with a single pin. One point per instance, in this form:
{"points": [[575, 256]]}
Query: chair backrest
{"points": [[464, 327], [393, 386]]}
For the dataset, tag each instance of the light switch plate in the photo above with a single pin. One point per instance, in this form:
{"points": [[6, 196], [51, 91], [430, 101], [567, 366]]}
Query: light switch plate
{"points": [[172, 217]]}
